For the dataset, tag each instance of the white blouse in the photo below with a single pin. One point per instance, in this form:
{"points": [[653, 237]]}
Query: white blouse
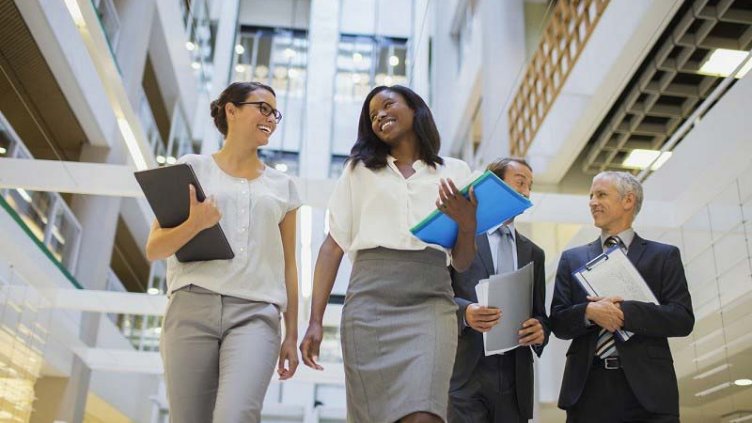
{"points": [[377, 207], [251, 214]]}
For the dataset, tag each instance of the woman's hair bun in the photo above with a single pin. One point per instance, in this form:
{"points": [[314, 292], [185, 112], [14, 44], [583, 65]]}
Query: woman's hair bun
{"points": [[215, 108]]}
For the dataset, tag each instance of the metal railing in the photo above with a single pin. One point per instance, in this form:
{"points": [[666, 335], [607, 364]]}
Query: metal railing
{"points": [[45, 214], [562, 41], [108, 17]]}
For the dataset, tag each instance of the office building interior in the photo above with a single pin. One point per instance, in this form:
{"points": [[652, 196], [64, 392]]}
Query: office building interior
{"points": [[93, 90]]}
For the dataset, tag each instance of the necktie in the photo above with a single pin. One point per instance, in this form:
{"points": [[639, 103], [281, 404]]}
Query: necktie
{"points": [[504, 256], [605, 346]]}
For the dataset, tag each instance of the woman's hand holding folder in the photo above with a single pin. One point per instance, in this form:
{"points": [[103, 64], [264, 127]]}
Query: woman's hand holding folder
{"points": [[202, 215], [164, 242]]}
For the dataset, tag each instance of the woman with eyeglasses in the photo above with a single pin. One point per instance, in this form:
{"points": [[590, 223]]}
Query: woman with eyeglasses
{"points": [[399, 324], [221, 332]]}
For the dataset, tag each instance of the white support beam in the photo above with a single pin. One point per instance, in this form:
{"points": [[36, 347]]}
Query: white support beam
{"points": [[91, 300], [70, 177], [118, 180]]}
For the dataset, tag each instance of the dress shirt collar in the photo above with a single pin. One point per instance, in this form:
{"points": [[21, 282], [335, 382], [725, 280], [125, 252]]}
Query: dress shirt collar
{"points": [[626, 237], [493, 230]]}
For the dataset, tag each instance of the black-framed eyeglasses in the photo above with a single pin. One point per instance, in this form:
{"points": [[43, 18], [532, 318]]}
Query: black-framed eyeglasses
{"points": [[265, 108]]}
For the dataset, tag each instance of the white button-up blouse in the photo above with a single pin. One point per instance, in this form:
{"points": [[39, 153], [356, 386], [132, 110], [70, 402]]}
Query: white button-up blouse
{"points": [[377, 207], [251, 213]]}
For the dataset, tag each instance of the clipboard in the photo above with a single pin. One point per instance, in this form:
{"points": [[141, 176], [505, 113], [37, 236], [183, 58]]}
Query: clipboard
{"points": [[497, 203], [166, 190], [613, 263]]}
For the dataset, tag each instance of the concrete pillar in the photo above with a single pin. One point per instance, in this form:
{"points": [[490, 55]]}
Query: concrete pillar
{"points": [[323, 39], [503, 37], [420, 47], [98, 216], [133, 43], [224, 49]]}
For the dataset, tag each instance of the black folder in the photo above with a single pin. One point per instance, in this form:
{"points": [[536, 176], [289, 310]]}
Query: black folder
{"points": [[166, 189]]}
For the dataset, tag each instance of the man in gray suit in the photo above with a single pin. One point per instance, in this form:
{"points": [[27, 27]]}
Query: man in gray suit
{"points": [[498, 388]]}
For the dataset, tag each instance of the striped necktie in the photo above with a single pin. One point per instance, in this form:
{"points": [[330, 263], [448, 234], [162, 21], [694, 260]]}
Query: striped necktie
{"points": [[605, 346]]}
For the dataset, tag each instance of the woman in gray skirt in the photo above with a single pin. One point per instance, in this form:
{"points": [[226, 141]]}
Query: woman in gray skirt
{"points": [[399, 329]]}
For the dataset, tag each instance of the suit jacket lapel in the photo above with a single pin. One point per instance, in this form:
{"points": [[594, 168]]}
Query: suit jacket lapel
{"points": [[484, 251], [524, 250], [595, 249], [636, 248]]}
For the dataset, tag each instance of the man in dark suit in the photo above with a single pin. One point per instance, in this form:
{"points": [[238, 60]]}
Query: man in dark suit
{"points": [[498, 388], [606, 379]]}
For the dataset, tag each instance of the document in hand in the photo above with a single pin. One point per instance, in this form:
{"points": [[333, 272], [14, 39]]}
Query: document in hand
{"points": [[497, 203], [612, 274], [166, 189], [512, 293]]}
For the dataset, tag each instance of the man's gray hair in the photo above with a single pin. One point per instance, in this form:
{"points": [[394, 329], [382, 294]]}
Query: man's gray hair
{"points": [[625, 183]]}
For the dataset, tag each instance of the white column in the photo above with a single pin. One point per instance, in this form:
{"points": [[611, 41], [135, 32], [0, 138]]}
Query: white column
{"points": [[98, 216], [323, 39], [224, 49], [503, 35], [133, 43], [421, 33]]}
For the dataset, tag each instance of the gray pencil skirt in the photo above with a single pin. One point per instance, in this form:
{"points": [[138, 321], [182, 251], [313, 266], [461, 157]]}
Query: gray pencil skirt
{"points": [[399, 335]]}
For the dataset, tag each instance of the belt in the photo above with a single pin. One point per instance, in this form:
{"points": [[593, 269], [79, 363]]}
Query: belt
{"points": [[609, 363]]}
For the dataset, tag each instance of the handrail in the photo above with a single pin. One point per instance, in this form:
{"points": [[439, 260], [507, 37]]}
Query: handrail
{"points": [[571, 24]]}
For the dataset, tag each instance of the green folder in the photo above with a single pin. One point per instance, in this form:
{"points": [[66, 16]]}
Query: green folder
{"points": [[497, 203]]}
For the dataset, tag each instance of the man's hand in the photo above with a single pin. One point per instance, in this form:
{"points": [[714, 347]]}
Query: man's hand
{"points": [[482, 318], [532, 333], [605, 312]]}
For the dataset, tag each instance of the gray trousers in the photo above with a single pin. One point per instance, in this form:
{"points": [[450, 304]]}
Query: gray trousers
{"points": [[219, 354]]}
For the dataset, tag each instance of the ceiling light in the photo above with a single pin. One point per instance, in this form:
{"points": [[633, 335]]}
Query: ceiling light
{"points": [[282, 167], [289, 53], [152, 291], [393, 60], [743, 382], [171, 160], [712, 371], [3, 150], [723, 62], [239, 68], [292, 73], [640, 159], [75, 12], [195, 65], [357, 57], [160, 159], [744, 418], [355, 78], [239, 49], [157, 330], [713, 390], [131, 143], [388, 81], [190, 46]]}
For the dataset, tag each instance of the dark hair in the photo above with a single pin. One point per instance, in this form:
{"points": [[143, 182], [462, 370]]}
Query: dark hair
{"points": [[372, 151], [236, 92], [499, 167]]}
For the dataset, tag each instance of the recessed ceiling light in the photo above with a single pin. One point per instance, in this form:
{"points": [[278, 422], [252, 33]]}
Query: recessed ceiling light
{"points": [[239, 49], [714, 389], [722, 62], [640, 159], [3, 150], [190, 46], [743, 382], [393, 60]]}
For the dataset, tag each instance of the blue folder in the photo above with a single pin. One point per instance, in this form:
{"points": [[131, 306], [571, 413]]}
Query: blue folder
{"points": [[497, 203]]}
